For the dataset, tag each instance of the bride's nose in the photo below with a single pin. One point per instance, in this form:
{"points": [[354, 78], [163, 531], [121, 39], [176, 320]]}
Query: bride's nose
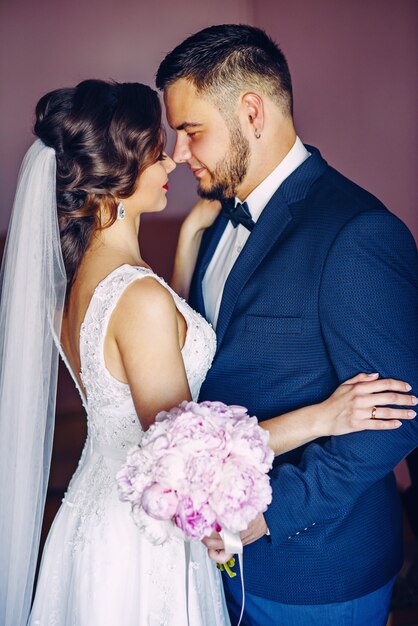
{"points": [[169, 164]]}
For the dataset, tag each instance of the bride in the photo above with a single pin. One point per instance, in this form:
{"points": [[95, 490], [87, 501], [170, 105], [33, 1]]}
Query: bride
{"points": [[74, 282]]}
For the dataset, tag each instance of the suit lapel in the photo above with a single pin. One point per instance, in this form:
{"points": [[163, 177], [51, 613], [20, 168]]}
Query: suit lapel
{"points": [[268, 230]]}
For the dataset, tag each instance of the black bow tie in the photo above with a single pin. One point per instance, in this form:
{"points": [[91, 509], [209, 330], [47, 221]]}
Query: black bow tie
{"points": [[238, 214]]}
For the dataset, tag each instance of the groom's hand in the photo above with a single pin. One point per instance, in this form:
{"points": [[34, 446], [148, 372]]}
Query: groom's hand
{"points": [[215, 545], [216, 548], [255, 530]]}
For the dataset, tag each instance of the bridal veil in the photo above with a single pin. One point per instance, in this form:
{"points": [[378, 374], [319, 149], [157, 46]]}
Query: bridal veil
{"points": [[33, 285]]}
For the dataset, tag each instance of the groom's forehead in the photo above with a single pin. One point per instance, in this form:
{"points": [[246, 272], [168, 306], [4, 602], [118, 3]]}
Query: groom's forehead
{"points": [[184, 106]]}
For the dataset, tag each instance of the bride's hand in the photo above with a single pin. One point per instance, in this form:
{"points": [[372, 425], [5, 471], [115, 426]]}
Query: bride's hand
{"points": [[360, 404], [202, 215]]}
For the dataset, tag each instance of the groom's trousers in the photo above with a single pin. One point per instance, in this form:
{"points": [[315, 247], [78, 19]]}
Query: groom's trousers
{"points": [[369, 610]]}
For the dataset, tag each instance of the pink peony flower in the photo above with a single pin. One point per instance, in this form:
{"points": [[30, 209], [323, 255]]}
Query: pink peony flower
{"points": [[249, 495], [202, 471], [196, 433], [170, 469], [250, 443], [158, 502], [196, 519]]}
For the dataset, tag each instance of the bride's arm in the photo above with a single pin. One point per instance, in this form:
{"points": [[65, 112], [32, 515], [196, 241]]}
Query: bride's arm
{"points": [[200, 217], [143, 349], [348, 409]]}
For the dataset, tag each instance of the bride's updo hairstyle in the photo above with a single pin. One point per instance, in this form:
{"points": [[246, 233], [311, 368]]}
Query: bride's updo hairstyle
{"points": [[104, 135]]}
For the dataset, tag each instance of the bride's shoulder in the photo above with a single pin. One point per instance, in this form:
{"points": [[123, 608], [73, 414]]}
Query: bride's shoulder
{"points": [[144, 301]]}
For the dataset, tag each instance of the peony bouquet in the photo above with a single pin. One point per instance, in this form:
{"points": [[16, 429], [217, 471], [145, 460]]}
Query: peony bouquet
{"points": [[200, 467]]}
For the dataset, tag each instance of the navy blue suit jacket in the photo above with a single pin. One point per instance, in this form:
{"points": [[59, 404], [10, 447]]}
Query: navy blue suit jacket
{"points": [[325, 287]]}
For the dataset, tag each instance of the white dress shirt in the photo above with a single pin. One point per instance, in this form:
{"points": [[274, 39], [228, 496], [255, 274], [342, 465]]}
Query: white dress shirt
{"points": [[234, 239]]}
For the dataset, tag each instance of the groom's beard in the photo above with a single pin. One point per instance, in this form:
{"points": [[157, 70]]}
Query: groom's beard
{"points": [[230, 172]]}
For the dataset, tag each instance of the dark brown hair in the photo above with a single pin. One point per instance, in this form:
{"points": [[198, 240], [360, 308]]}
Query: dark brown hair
{"points": [[223, 60], [104, 135]]}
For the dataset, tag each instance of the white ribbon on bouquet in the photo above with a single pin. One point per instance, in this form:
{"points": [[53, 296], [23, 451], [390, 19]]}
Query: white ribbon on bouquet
{"points": [[233, 545]]}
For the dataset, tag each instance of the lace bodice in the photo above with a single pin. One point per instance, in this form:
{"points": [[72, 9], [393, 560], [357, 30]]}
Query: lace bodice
{"points": [[112, 419]]}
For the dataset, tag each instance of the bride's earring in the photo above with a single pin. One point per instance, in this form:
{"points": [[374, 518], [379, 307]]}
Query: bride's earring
{"points": [[257, 134], [120, 215]]}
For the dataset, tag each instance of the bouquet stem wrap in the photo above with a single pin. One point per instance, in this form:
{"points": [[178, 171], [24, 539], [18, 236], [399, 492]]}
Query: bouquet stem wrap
{"points": [[233, 545]]}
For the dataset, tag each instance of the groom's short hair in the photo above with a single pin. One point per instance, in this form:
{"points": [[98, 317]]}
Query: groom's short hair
{"points": [[222, 61]]}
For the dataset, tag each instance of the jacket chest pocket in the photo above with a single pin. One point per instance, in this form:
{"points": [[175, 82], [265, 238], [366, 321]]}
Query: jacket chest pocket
{"points": [[261, 324]]}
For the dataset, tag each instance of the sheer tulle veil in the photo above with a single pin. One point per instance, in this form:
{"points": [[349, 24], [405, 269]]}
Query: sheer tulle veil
{"points": [[33, 285]]}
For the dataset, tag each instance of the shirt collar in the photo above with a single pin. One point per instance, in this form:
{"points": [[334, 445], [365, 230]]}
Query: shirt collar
{"points": [[260, 196]]}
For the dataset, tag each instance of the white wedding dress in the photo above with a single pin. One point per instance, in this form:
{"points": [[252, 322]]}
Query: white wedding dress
{"points": [[97, 568]]}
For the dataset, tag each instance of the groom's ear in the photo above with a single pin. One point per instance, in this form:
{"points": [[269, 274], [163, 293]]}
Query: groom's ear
{"points": [[252, 113]]}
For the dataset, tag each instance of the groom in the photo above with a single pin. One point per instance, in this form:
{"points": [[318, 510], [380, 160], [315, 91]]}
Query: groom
{"points": [[308, 282]]}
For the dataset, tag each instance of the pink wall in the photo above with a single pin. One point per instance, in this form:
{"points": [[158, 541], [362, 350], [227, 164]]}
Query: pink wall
{"points": [[353, 64], [45, 44]]}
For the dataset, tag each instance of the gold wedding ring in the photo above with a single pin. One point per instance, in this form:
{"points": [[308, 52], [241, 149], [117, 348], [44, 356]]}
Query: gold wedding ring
{"points": [[373, 415]]}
